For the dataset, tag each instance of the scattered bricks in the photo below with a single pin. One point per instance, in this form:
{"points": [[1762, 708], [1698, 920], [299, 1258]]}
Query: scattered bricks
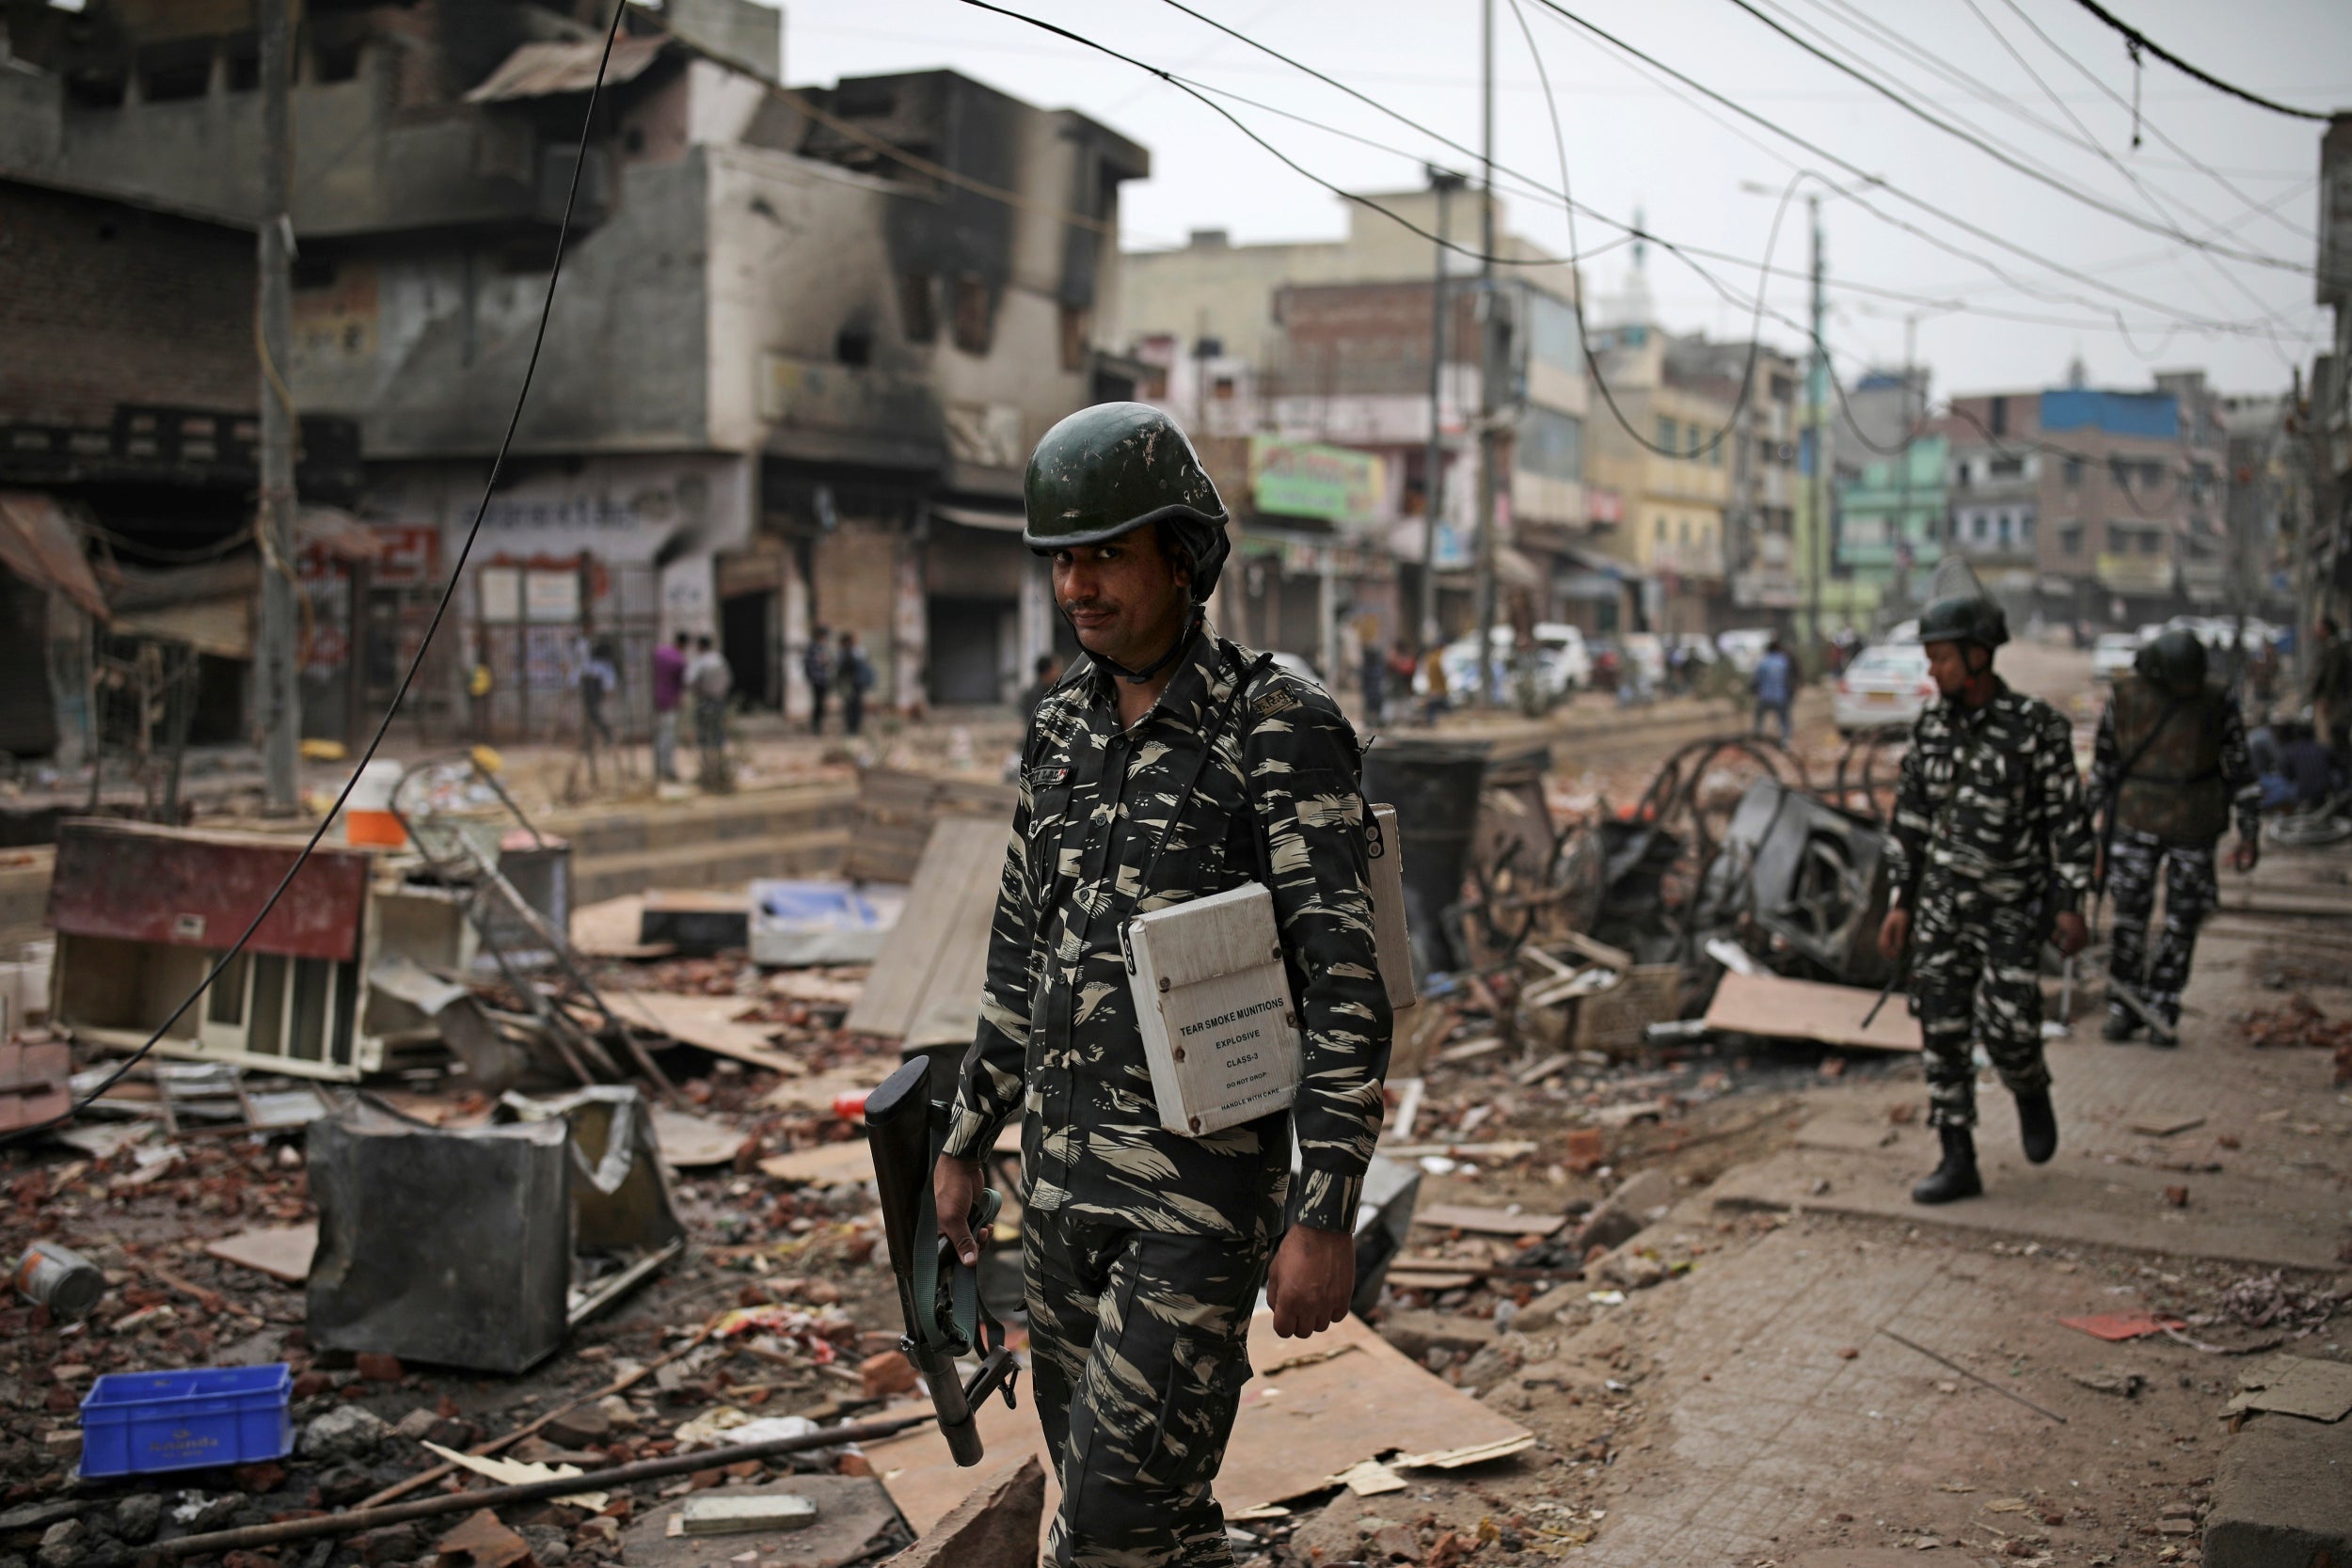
{"points": [[1418, 1333], [702, 1480], [347, 1431], [750, 1469], [617, 1413], [453, 1432], [59, 1401], [1393, 1544], [136, 1517], [2054, 1517], [482, 1542], [258, 1480], [1544, 1312], [389, 1544], [1586, 1152], [2176, 1196], [310, 1386], [601, 1530], [853, 1465], [588, 1427], [886, 1372], [375, 1367]]}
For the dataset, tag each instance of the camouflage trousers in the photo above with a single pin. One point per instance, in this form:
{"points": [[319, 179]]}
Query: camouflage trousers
{"points": [[1139, 1345], [1976, 975], [2192, 889]]}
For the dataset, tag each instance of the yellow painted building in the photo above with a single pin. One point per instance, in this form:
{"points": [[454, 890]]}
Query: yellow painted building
{"points": [[1670, 508]]}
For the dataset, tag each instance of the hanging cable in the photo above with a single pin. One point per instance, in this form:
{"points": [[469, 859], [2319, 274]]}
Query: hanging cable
{"points": [[440, 609], [2136, 40]]}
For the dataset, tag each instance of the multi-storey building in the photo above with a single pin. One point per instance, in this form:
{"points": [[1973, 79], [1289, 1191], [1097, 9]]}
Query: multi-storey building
{"points": [[803, 344], [1283, 358], [1673, 485], [1759, 517]]}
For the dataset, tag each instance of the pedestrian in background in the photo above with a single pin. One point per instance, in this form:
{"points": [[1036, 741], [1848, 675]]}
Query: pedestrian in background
{"points": [[710, 680], [478, 688], [2332, 688], [1438, 698], [854, 673], [817, 668], [1045, 674], [1399, 685], [1375, 679], [1775, 689], [669, 689]]}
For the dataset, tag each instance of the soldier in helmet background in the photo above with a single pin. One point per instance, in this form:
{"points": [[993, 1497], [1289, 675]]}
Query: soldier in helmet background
{"points": [[1991, 850], [1144, 1250], [2170, 771]]}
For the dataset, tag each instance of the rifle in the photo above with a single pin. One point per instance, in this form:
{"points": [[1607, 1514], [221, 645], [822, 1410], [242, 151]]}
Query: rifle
{"points": [[938, 1293]]}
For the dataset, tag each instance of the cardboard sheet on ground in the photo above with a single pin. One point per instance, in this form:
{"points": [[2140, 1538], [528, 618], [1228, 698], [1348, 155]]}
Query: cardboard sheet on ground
{"points": [[690, 1141], [925, 988], [1809, 1010], [279, 1251], [851, 1511], [1487, 1222], [825, 1165], [2296, 1386], [1316, 1407], [609, 930], [708, 1021]]}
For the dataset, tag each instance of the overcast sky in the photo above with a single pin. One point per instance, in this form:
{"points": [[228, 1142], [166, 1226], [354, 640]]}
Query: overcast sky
{"points": [[1634, 143]]}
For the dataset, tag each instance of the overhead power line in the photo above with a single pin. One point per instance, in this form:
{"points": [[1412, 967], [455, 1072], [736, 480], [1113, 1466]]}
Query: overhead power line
{"points": [[2139, 41], [2010, 161], [1684, 253]]}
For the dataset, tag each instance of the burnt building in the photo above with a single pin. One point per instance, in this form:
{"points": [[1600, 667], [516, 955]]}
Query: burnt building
{"points": [[801, 346]]}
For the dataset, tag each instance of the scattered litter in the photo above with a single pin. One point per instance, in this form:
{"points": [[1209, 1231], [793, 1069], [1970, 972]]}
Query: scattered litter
{"points": [[710, 1513], [514, 1472], [1369, 1479], [2119, 1380], [2164, 1126], [1774, 1006], [2117, 1326], [283, 1252]]}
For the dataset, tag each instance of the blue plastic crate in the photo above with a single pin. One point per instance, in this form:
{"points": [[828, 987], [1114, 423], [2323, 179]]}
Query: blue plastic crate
{"points": [[138, 1423]]}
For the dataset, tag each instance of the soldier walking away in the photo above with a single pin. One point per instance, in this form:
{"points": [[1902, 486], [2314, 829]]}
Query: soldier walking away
{"points": [[855, 673], [1045, 676], [2332, 688], [1775, 689], [1144, 1250], [709, 677], [1992, 847], [2170, 771], [817, 668]]}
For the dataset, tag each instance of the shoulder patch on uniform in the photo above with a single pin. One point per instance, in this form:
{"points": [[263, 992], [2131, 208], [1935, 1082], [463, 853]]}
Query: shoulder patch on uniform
{"points": [[1274, 700]]}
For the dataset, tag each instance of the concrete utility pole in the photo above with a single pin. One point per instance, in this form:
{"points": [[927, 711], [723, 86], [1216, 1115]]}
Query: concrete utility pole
{"points": [[1445, 182], [274, 528], [1489, 362], [1816, 392]]}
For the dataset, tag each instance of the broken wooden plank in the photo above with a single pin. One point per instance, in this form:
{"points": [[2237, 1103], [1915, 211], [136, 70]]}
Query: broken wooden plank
{"points": [[280, 1251], [33, 1083], [708, 1022], [825, 1165], [1775, 1006], [925, 988], [2165, 1124], [1487, 1222], [1470, 1051]]}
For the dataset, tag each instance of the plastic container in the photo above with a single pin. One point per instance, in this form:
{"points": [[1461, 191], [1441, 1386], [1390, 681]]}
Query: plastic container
{"points": [[65, 1282], [139, 1423], [367, 815]]}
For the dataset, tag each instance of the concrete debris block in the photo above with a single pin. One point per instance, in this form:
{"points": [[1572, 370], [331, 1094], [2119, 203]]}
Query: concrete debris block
{"points": [[716, 1513], [482, 1542], [618, 1413], [346, 1432], [997, 1526], [40, 1515], [136, 1517], [1633, 1270], [1623, 1214], [2119, 1380], [886, 1372], [1418, 1333], [588, 1427], [388, 1544], [417, 1424], [1545, 1310], [1392, 1542], [2279, 1497]]}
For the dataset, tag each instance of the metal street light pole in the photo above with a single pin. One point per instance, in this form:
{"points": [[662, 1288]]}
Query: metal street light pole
{"points": [[280, 699], [1490, 365], [1445, 182]]}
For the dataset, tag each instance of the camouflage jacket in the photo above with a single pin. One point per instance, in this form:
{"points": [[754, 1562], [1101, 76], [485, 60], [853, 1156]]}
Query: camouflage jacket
{"points": [[2235, 782], [1990, 799], [1058, 1037]]}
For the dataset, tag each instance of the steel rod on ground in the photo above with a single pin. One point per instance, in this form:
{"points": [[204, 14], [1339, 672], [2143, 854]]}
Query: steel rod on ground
{"points": [[561, 1486], [1945, 1360]]}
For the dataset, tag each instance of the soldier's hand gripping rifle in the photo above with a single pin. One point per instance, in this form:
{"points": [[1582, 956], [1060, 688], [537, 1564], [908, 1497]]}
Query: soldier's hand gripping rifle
{"points": [[939, 1293]]}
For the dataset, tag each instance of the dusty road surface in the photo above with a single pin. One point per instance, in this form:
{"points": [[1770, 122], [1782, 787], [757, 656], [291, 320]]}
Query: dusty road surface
{"points": [[1687, 1271]]}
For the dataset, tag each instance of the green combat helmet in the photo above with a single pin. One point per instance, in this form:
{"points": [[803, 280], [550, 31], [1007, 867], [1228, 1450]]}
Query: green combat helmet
{"points": [[2174, 660], [1960, 611], [1118, 467]]}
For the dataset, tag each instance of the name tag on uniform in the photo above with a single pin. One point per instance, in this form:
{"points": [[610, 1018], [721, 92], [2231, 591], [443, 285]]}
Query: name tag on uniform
{"points": [[1220, 1030]]}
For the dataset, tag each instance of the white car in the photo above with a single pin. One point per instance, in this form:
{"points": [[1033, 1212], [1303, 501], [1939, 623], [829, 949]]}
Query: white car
{"points": [[1566, 662], [2113, 653], [1745, 646], [1887, 684], [1902, 631]]}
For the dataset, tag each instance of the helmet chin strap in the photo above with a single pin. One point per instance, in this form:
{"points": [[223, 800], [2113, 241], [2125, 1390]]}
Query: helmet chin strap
{"points": [[1175, 650]]}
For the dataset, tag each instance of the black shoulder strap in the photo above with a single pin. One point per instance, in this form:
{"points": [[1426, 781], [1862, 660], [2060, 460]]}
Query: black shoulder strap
{"points": [[1201, 765]]}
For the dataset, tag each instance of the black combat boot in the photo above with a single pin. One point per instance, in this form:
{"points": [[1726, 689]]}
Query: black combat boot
{"points": [[2121, 1025], [2036, 1125], [1956, 1178]]}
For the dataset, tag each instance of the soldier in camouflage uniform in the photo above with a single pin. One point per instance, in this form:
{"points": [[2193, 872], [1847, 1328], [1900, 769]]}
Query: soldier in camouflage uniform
{"points": [[2169, 772], [1145, 1250], [1991, 849]]}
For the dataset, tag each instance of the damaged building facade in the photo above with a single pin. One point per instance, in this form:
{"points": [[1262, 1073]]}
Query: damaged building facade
{"points": [[802, 343]]}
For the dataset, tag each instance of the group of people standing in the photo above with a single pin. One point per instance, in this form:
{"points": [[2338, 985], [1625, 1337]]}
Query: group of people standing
{"points": [[830, 664], [703, 675]]}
